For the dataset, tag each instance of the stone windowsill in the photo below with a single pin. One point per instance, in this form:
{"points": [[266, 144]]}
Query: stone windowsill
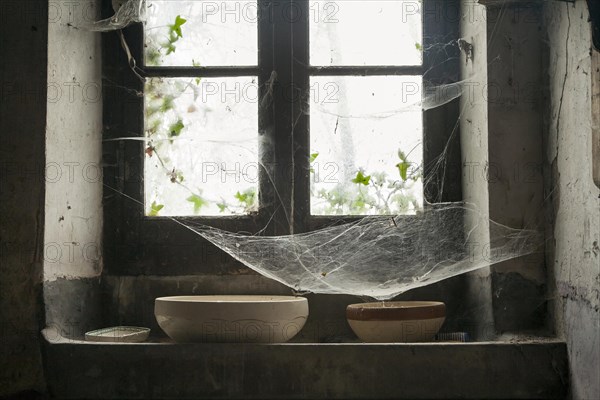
{"points": [[529, 369]]}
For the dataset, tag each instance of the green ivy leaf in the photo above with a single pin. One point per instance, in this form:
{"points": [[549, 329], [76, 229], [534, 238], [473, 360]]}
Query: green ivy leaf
{"points": [[198, 201], [418, 46], [170, 48], [247, 198], [222, 207], [175, 129], [361, 179], [167, 104], [241, 197], [176, 27], [155, 208], [403, 169]]}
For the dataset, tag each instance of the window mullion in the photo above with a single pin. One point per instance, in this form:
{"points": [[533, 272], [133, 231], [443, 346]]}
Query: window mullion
{"points": [[266, 116], [281, 112], [440, 124], [301, 115]]}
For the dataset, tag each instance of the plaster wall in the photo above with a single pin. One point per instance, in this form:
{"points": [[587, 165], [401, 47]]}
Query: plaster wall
{"points": [[474, 150], [73, 204], [501, 138], [515, 177], [73, 225], [574, 213]]}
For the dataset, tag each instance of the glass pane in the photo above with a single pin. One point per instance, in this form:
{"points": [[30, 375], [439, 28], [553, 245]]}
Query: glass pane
{"points": [[366, 145], [370, 32], [201, 33], [202, 145]]}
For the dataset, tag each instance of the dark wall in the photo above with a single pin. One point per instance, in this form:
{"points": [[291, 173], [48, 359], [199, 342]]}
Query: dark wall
{"points": [[23, 65]]}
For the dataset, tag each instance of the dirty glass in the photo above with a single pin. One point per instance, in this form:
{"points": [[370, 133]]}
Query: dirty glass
{"points": [[366, 145], [201, 146], [201, 33]]}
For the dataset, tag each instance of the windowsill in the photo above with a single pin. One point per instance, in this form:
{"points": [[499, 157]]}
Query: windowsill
{"points": [[53, 337], [528, 369]]}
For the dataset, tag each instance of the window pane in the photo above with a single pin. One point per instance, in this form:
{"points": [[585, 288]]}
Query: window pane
{"points": [[370, 32], [366, 145], [222, 33], [201, 154]]}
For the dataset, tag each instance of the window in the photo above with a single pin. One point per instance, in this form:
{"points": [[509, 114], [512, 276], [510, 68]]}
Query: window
{"points": [[274, 116]]}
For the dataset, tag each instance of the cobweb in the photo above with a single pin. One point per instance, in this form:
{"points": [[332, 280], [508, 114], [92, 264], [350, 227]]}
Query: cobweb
{"points": [[379, 257], [127, 12], [375, 256]]}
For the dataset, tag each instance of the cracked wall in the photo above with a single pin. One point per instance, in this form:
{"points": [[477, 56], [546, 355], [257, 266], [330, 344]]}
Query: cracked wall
{"points": [[574, 214]]}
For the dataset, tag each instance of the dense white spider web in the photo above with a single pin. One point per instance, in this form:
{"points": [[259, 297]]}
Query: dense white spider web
{"points": [[379, 257]]}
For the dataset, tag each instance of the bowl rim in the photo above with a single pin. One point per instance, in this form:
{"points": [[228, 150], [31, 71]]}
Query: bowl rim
{"points": [[395, 311], [231, 299]]}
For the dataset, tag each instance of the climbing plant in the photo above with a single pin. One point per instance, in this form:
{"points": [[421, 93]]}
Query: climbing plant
{"points": [[368, 192]]}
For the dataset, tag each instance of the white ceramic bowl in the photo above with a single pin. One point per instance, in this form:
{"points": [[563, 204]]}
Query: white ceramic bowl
{"points": [[396, 321], [238, 319]]}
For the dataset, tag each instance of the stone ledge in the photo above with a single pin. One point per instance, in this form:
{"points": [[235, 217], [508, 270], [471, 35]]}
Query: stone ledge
{"points": [[532, 369]]}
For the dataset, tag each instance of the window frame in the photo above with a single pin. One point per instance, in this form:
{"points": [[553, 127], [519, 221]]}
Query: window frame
{"points": [[138, 244]]}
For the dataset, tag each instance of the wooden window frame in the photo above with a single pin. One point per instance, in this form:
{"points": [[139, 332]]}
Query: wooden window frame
{"points": [[137, 244]]}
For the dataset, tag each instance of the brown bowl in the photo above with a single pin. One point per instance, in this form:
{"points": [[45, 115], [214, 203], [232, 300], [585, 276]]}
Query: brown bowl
{"points": [[396, 321]]}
